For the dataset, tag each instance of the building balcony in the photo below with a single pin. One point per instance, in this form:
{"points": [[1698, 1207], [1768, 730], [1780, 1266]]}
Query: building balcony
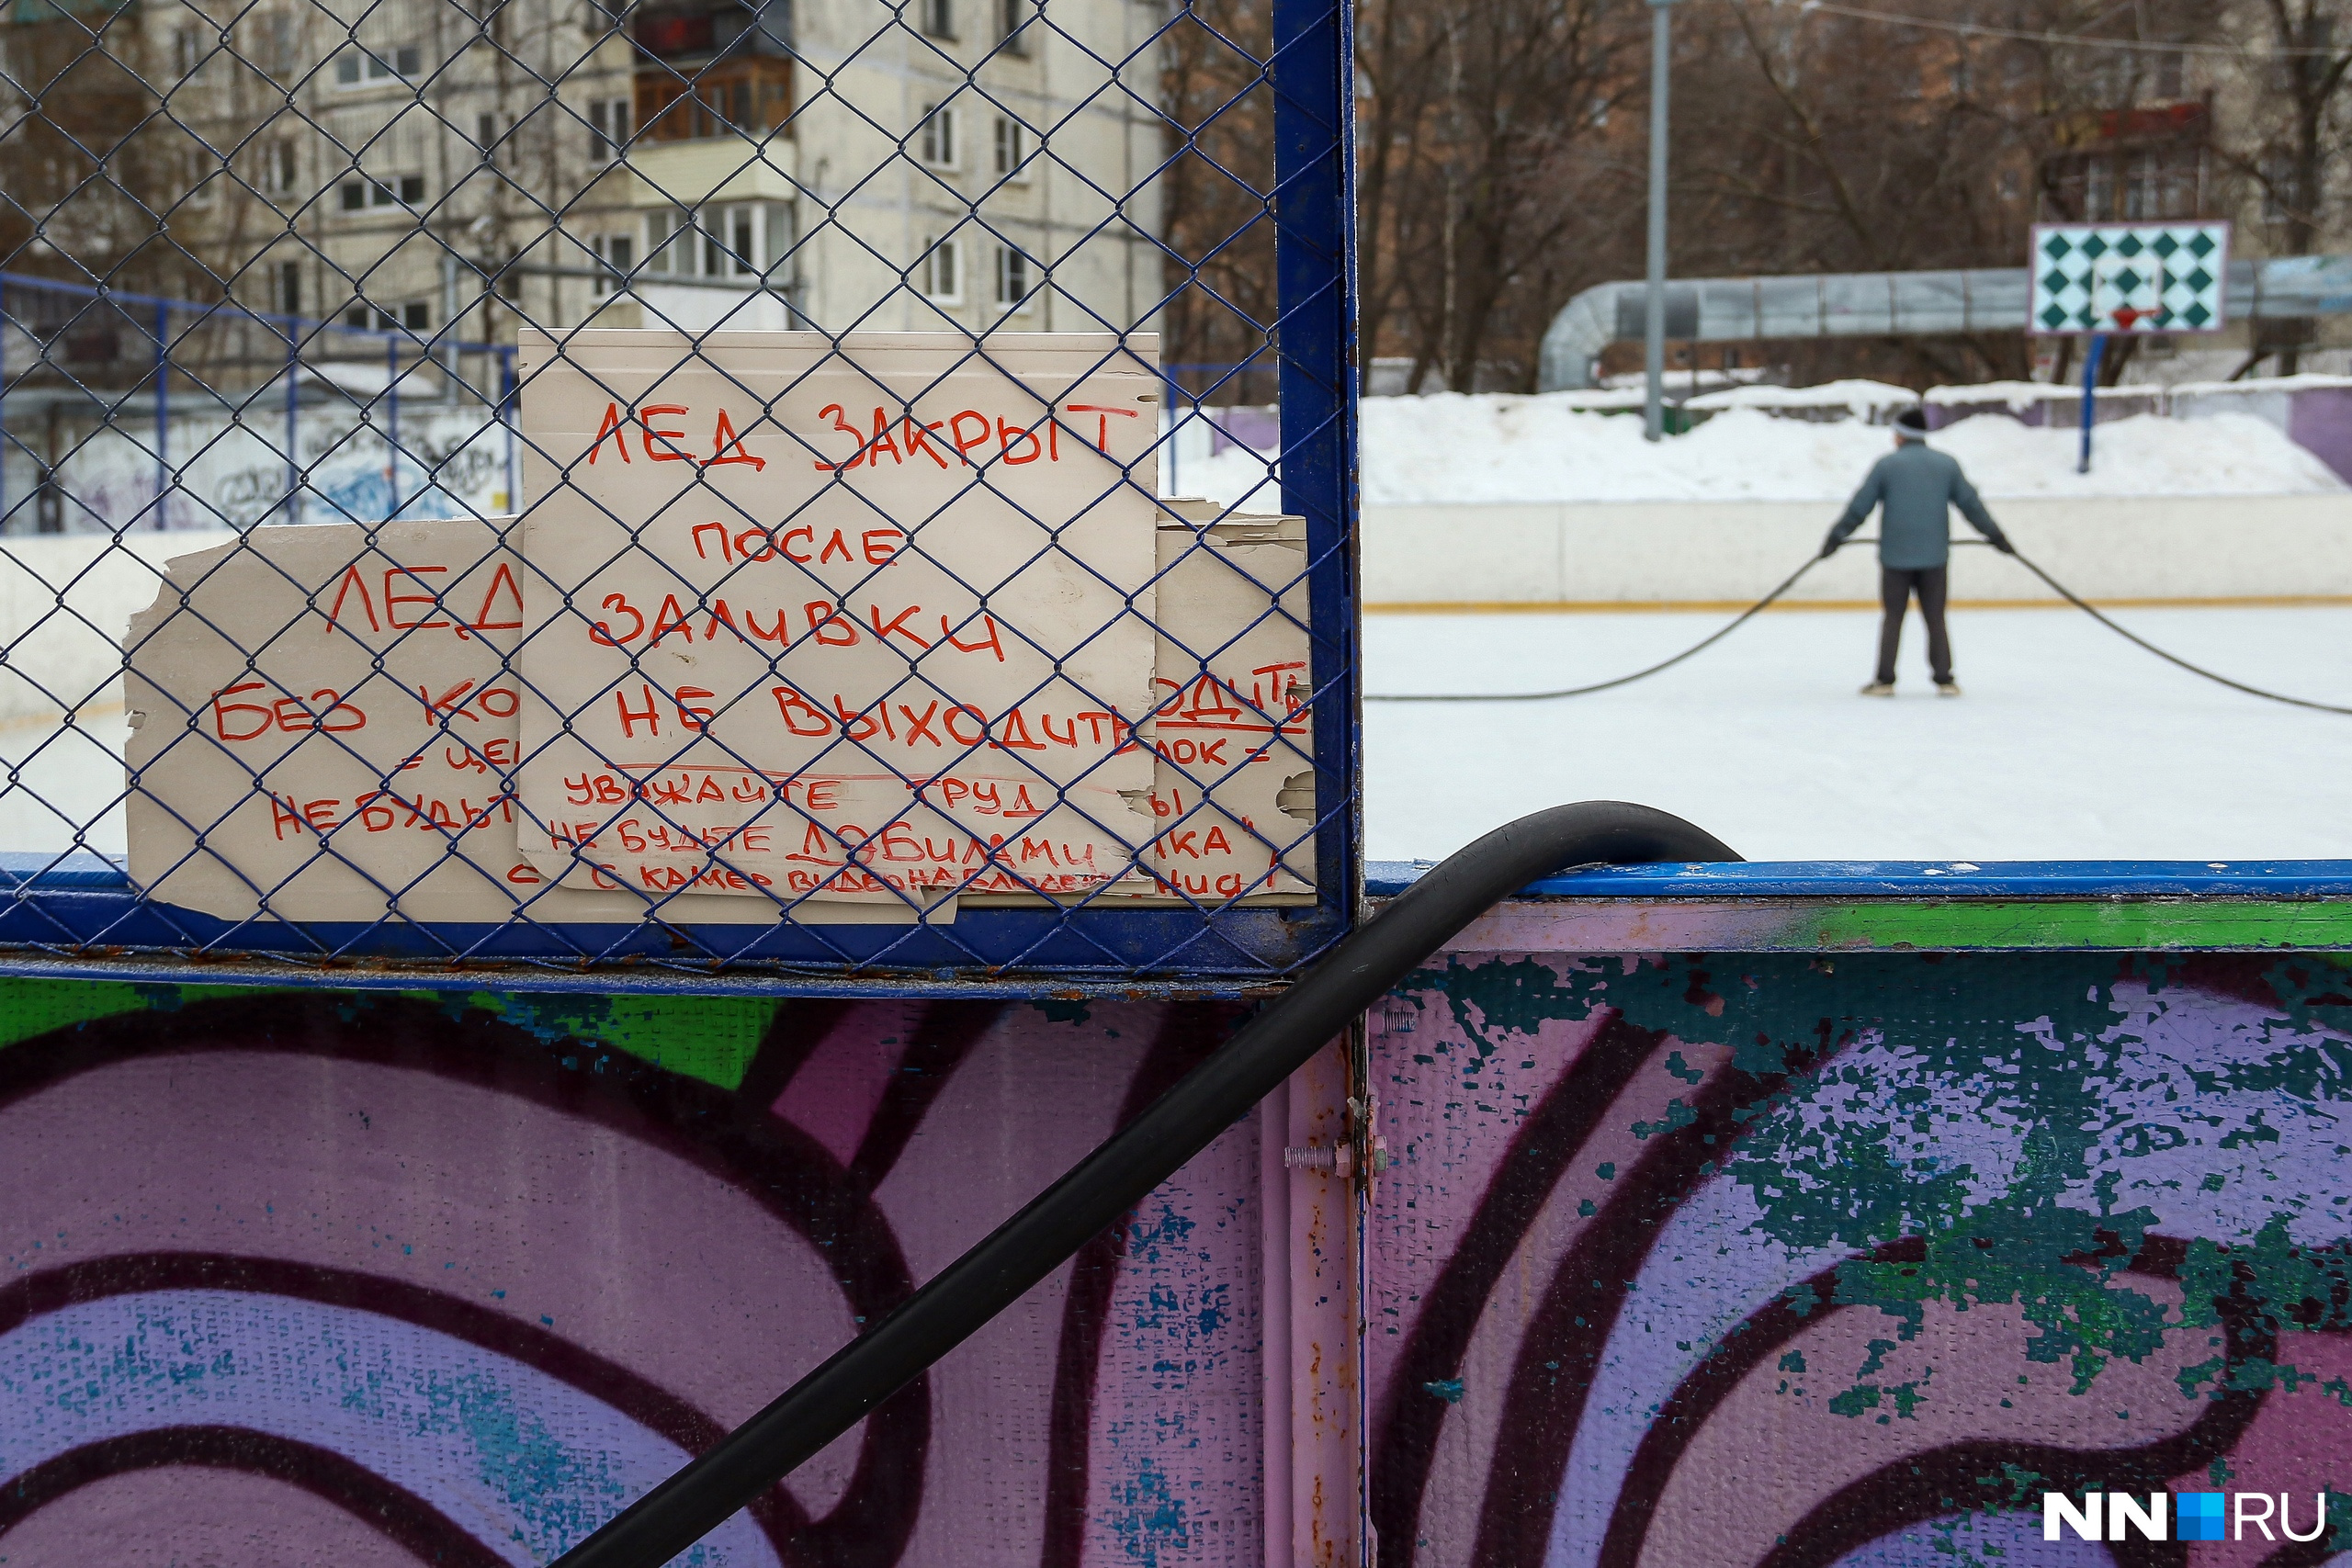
{"points": [[689, 173], [724, 100]]}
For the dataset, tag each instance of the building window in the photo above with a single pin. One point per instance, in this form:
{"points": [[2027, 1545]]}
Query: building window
{"points": [[2142, 193], [277, 47], [939, 18], [775, 250], [1011, 149], [407, 190], [277, 165], [196, 176], [2099, 191], [663, 247], [2168, 74], [1013, 278], [737, 241], [1014, 16], [285, 287], [939, 136], [942, 281], [187, 50], [415, 316], [617, 258], [2158, 182], [360, 67], [731, 241], [607, 129]]}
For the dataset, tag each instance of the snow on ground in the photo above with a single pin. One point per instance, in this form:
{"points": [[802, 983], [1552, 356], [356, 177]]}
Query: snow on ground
{"points": [[2071, 744], [1453, 447]]}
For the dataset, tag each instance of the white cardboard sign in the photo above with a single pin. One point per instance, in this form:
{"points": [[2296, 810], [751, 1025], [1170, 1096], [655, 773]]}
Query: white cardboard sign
{"points": [[328, 708], [866, 619], [1233, 784]]}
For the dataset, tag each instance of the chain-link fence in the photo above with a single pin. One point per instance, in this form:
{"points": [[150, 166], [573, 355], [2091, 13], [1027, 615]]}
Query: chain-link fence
{"points": [[855, 488]]}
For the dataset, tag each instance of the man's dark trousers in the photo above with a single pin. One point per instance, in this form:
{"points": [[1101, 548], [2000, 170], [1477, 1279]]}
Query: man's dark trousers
{"points": [[1895, 590]]}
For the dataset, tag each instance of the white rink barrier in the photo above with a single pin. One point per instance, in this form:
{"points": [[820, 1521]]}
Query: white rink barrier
{"points": [[73, 649], [2116, 550]]}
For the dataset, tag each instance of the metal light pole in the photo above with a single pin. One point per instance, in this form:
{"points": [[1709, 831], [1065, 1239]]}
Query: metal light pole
{"points": [[1654, 325]]}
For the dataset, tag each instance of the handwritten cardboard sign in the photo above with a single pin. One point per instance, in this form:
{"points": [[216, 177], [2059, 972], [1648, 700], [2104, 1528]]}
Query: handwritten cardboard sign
{"points": [[1233, 784], [868, 619], [323, 725]]}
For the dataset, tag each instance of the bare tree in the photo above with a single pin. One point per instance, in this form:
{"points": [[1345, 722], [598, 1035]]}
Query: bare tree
{"points": [[1482, 113], [2285, 141], [1218, 223]]}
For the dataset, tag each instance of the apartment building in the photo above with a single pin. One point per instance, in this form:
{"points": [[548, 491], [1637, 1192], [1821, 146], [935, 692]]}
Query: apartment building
{"points": [[448, 169], [849, 163], [417, 166]]}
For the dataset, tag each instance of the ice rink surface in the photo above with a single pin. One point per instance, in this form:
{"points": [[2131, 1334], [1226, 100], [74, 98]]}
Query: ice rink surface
{"points": [[2070, 744]]}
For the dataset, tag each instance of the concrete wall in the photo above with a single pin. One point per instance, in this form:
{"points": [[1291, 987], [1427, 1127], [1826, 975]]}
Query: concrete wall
{"points": [[2177, 547]]}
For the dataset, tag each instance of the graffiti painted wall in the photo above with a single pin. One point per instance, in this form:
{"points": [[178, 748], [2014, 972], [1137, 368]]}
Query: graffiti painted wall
{"points": [[297, 1277], [1762, 1261], [449, 460], [1797, 1261]]}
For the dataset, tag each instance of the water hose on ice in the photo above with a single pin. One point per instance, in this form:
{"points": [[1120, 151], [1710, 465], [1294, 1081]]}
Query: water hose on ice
{"points": [[1791, 581]]}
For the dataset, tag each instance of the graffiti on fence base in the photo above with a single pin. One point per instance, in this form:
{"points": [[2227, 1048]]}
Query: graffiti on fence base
{"points": [[1750, 1262], [450, 1279], [1791, 1261]]}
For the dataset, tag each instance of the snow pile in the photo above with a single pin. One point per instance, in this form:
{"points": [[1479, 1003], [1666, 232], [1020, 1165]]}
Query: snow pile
{"points": [[1863, 399], [2307, 381], [2021, 396], [1456, 447]]}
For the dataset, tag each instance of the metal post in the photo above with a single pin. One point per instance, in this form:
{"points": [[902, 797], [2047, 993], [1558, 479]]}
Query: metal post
{"points": [[1654, 315], [391, 428], [293, 421], [506, 419], [450, 325], [2090, 397], [162, 411], [1176, 420], [3, 407], [1315, 275]]}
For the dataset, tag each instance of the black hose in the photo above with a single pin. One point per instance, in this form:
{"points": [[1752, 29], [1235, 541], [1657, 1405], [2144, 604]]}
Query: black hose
{"points": [[2068, 594], [1789, 581], [1106, 1184], [1700, 647]]}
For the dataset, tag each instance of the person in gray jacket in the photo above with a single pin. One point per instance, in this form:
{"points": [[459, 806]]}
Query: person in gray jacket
{"points": [[1916, 488]]}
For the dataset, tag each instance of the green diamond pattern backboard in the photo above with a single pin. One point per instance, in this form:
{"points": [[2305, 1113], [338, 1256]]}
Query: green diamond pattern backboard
{"points": [[2129, 277]]}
